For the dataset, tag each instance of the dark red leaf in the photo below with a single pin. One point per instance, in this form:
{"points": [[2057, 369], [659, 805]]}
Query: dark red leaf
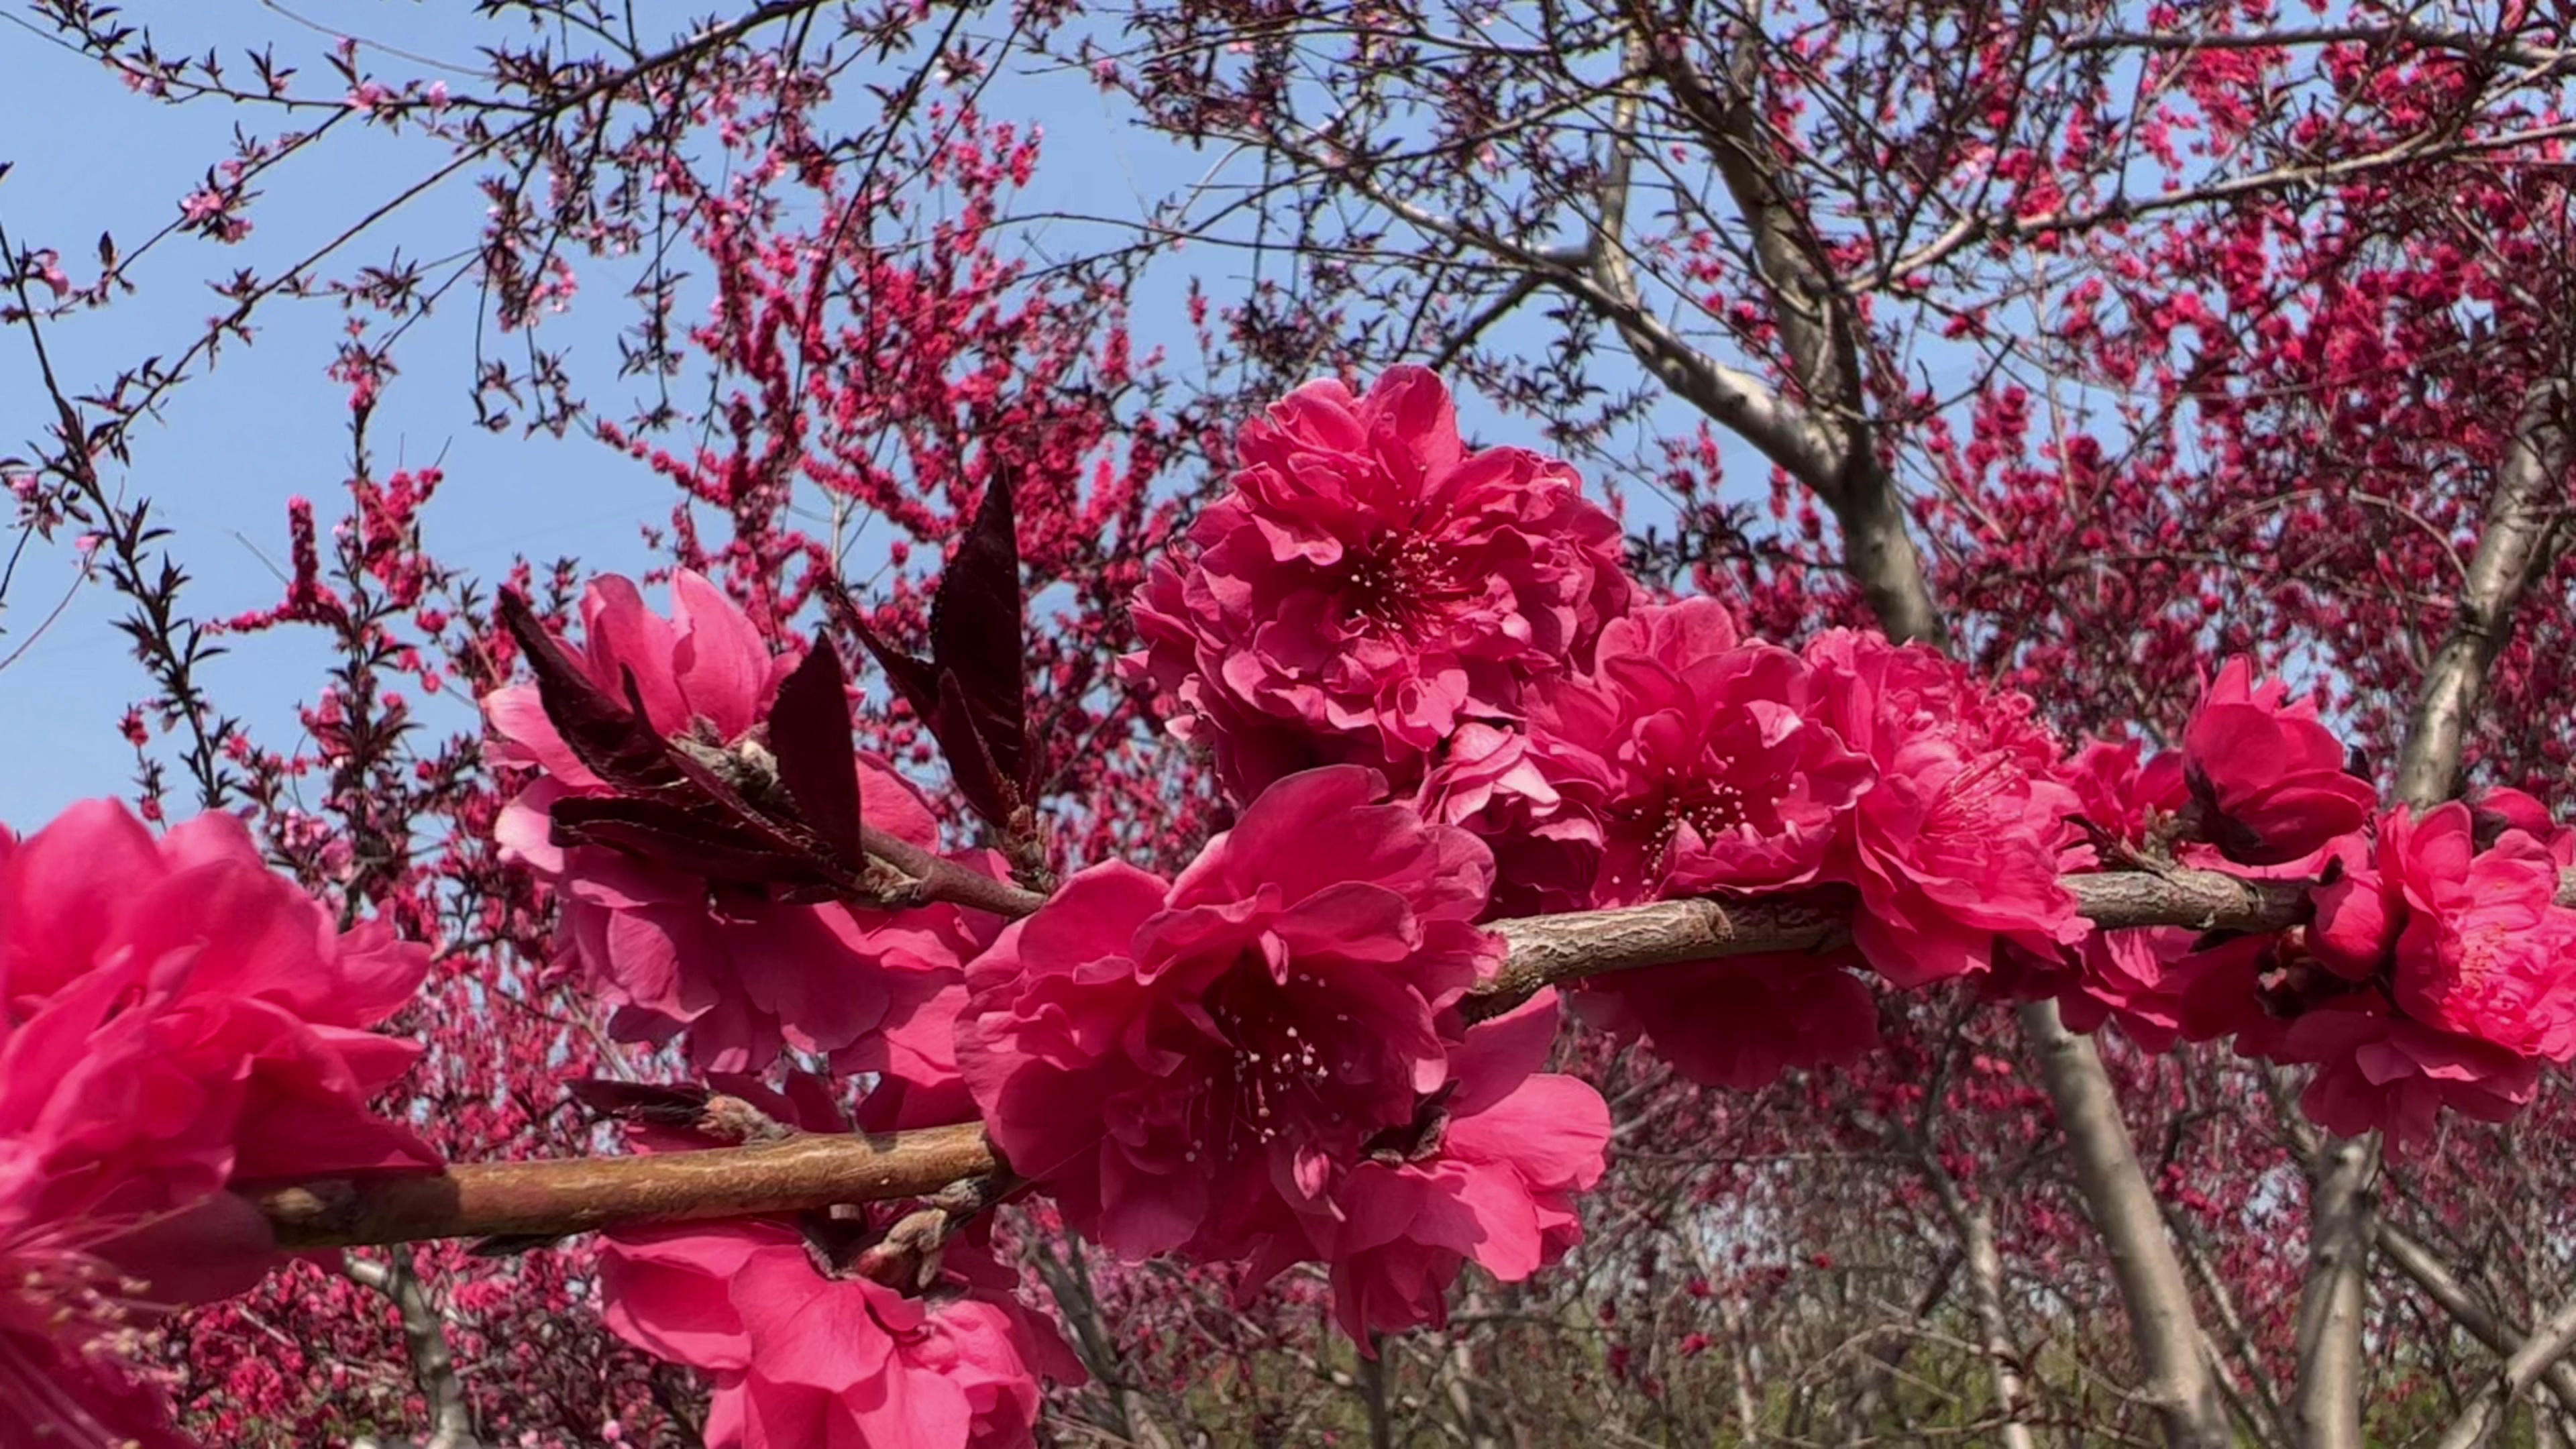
{"points": [[618, 743], [692, 843], [970, 764], [977, 635], [809, 733], [917, 682]]}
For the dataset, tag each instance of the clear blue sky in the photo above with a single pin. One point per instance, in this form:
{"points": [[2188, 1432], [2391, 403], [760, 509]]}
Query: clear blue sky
{"points": [[266, 425]]}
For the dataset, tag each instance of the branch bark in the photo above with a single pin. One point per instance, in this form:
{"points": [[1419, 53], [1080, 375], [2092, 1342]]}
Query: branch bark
{"points": [[2483, 1324], [424, 1331], [2179, 1385], [2487, 1412]]}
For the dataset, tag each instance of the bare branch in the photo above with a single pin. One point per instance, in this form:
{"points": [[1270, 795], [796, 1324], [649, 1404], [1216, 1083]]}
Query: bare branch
{"points": [[424, 1331], [2444, 1288], [2486, 1413]]}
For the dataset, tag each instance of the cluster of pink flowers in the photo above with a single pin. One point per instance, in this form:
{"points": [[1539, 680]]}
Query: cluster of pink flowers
{"points": [[174, 1019], [1439, 700], [2439, 971], [1691, 761], [1263, 1059]]}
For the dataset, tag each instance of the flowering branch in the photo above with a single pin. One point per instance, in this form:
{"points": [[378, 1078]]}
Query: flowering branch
{"points": [[573, 1196]]}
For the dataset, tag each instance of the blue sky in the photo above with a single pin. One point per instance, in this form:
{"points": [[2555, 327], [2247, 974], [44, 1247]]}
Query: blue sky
{"points": [[266, 425]]}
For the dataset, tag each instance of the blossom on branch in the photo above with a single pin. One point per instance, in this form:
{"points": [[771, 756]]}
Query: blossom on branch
{"points": [[1955, 849], [2448, 974], [2269, 779], [1706, 761], [1486, 1172], [822, 1330], [1368, 586], [692, 922], [174, 1018], [1182, 1063]]}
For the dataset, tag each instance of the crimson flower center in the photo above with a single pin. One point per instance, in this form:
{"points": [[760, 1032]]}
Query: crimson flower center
{"points": [[1273, 1079], [1709, 806], [1404, 583]]}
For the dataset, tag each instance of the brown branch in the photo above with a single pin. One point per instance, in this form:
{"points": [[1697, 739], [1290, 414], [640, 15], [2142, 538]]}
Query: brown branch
{"points": [[552, 1199], [2483, 1324], [2547, 1346]]}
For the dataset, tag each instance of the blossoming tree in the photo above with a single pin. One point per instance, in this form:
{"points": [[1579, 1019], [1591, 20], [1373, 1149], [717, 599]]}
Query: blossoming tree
{"points": [[1283, 922]]}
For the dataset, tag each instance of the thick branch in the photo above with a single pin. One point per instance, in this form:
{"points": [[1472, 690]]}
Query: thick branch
{"points": [[545, 1199], [2525, 505], [2343, 1202], [424, 1331], [2179, 1385], [2523, 509]]}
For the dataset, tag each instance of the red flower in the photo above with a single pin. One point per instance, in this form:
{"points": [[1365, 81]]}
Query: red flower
{"points": [[1956, 847], [741, 974], [2471, 941], [2378, 1072], [173, 1018], [1176, 1062], [802, 1358], [1707, 763], [1369, 585], [1500, 786], [2269, 779], [806, 1339], [1488, 1173]]}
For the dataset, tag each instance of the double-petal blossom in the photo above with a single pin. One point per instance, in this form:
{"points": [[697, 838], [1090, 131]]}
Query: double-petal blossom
{"points": [[1368, 585]]}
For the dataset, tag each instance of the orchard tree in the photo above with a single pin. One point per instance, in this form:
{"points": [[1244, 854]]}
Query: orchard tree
{"points": [[1245, 914]]}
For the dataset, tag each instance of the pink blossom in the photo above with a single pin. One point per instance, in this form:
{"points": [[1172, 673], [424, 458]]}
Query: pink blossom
{"points": [[801, 1356], [2377, 1072], [2132, 976], [1708, 762], [2470, 941], [1499, 785], [1369, 585], [2269, 779], [1179, 1062], [741, 975], [1956, 847], [173, 1018], [1487, 1172]]}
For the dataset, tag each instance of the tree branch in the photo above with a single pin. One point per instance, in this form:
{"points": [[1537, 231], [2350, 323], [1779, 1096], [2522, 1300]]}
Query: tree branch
{"points": [[424, 1331], [2179, 1384], [2439, 1284], [2486, 1413], [552, 1199]]}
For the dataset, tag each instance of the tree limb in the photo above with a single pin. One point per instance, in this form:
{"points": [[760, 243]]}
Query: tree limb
{"points": [[424, 1331]]}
